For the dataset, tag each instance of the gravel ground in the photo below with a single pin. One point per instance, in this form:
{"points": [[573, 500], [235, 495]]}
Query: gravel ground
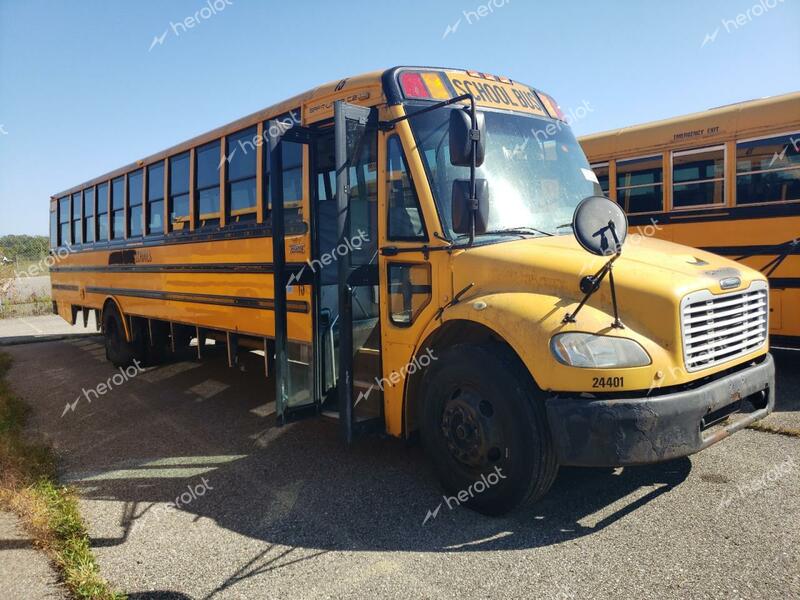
{"points": [[263, 512]]}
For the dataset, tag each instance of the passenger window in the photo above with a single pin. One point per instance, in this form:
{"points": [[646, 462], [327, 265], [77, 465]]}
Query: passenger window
{"points": [[63, 221], [208, 175], [768, 170], [179, 191], [405, 216], [292, 161], [698, 177], [135, 200], [102, 212], [409, 291], [601, 171], [155, 199], [76, 217], [88, 215], [118, 208], [640, 184], [241, 175]]}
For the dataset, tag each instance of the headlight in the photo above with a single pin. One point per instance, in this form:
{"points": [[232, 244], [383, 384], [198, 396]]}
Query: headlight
{"points": [[597, 351]]}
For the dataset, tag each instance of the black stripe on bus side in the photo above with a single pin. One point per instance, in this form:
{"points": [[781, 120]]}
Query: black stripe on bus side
{"points": [[763, 250], [235, 301], [260, 268], [719, 213], [186, 236], [65, 287], [784, 282]]}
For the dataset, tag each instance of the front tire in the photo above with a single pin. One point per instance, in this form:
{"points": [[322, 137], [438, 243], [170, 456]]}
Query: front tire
{"points": [[485, 429]]}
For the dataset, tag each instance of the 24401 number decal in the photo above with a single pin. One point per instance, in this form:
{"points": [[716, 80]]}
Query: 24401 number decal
{"points": [[608, 382]]}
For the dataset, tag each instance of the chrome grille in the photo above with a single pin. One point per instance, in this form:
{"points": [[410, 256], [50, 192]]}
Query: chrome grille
{"points": [[718, 328]]}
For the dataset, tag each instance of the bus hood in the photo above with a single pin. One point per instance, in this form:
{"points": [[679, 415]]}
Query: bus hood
{"points": [[651, 277]]}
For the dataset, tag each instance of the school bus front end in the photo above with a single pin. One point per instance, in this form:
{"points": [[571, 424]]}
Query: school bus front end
{"points": [[518, 384], [692, 350]]}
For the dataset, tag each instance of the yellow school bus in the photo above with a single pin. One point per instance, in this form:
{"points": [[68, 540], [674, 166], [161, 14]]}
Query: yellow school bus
{"points": [[726, 180], [423, 251]]}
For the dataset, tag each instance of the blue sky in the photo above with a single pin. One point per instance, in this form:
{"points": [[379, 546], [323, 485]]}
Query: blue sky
{"points": [[82, 92]]}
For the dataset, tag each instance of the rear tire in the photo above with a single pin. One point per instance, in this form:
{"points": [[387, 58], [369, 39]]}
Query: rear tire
{"points": [[485, 429], [119, 351]]}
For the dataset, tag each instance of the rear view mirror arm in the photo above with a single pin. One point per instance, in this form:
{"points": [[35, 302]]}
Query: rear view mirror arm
{"points": [[389, 125]]}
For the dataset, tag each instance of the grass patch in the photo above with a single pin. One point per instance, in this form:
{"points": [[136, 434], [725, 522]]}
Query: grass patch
{"points": [[33, 308], [48, 510]]}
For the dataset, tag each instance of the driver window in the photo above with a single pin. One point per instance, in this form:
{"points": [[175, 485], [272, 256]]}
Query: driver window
{"points": [[405, 217]]}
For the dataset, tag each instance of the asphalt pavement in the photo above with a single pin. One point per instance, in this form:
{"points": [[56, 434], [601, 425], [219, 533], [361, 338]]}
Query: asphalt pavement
{"points": [[191, 491]]}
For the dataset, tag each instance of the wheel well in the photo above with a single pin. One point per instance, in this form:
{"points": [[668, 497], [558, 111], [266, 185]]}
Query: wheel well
{"points": [[450, 334], [112, 304]]}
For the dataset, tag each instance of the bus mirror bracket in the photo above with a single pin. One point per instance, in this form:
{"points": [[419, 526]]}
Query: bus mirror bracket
{"points": [[470, 209]]}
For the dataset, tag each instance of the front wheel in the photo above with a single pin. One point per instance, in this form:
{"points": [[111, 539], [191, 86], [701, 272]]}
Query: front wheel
{"points": [[485, 428]]}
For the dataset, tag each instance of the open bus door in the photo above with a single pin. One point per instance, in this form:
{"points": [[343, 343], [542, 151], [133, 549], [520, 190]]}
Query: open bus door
{"points": [[297, 383], [359, 386]]}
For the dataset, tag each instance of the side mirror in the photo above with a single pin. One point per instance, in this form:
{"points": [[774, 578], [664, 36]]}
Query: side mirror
{"points": [[461, 138], [462, 206], [600, 226]]}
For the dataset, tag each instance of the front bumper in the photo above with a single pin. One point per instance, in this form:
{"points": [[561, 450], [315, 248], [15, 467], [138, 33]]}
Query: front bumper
{"points": [[611, 433]]}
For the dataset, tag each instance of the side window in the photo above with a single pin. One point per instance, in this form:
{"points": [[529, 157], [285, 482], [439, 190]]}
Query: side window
{"points": [[601, 171], [102, 212], [409, 291], [135, 198], [768, 170], [63, 221], [88, 215], [207, 178], [155, 199], [698, 177], [292, 161], [405, 216], [241, 175], [118, 208], [640, 184], [77, 201], [179, 191]]}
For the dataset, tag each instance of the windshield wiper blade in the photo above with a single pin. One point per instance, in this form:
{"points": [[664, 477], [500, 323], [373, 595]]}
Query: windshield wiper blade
{"points": [[513, 230]]}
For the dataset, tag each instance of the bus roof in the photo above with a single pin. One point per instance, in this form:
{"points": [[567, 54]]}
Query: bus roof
{"points": [[741, 120]]}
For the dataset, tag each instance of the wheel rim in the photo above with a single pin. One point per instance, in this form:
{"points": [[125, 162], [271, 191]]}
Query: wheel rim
{"points": [[472, 429]]}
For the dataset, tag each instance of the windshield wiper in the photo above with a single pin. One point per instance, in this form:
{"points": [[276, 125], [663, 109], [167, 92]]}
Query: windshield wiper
{"points": [[513, 230]]}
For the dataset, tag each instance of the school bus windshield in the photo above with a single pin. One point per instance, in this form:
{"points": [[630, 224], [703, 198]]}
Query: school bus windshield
{"points": [[536, 170]]}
